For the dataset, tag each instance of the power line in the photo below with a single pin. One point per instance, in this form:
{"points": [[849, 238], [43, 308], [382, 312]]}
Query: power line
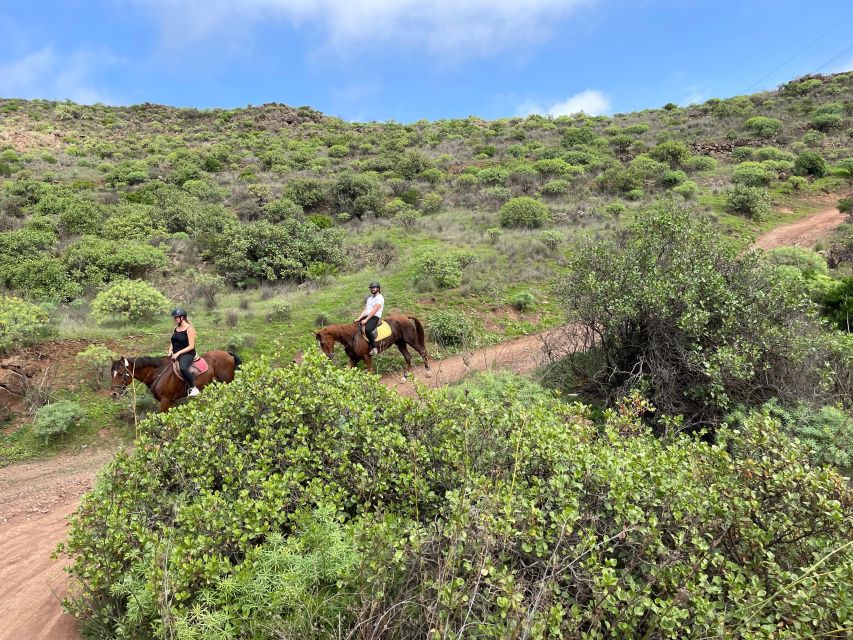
{"points": [[834, 58], [775, 69]]}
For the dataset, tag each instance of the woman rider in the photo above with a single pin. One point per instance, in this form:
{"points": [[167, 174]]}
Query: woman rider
{"points": [[372, 315], [183, 348]]}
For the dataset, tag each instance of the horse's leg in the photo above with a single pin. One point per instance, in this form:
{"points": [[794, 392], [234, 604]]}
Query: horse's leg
{"points": [[401, 345], [369, 362], [165, 405], [421, 349]]}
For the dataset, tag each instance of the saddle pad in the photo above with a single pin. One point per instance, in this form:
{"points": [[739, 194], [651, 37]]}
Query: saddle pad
{"points": [[383, 330], [198, 367]]}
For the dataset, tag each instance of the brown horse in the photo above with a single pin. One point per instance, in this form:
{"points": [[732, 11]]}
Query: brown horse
{"points": [[160, 378], [405, 330]]}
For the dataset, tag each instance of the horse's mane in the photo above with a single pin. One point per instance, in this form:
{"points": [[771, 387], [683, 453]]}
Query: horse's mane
{"points": [[146, 361]]}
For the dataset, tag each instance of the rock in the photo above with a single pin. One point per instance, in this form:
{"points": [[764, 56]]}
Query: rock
{"points": [[13, 382]]}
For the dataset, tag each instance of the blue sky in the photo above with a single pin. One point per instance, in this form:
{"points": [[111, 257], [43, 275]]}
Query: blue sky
{"points": [[406, 60]]}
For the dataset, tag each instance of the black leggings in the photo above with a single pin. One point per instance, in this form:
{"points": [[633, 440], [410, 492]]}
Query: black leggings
{"points": [[185, 361], [369, 328]]}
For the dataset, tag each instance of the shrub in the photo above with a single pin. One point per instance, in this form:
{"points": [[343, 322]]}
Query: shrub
{"points": [[94, 260], [673, 178], [433, 175], [128, 300], [281, 311], [308, 193], [137, 222], [551, 239], [813, 139], [635, 194], [443, 269], [694, 341], [739, 154], [338, 151], [646, 168], [57, 419], [846, 168], [407, 218], [845, 205], [359, 193], [576, 136], [432, 202], [771, 153], [96, 359], [494, 176], [498, 194], [493, 233], [826, 121], [41, 277], [753, 202], [451, 329], [810, 163], [21, 323], [752, 174], [807, 262], [797, 183], [554, 188], [283, 209], [127, 172], [764, 127], [524, 212], [670, 151], [837, 303], [615, 209], [524, 301], [313, 502], [687, 189], [321, 221]]}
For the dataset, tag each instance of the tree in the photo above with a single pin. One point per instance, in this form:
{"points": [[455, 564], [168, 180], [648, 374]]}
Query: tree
{"points": [[698, 325]]}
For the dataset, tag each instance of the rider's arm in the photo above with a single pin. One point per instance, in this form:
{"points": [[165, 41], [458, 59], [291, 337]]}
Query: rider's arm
{"points": [[191, 339], [372, 312]]}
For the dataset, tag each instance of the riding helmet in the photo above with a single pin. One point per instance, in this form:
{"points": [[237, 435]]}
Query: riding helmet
{"points": [[179, 312], [374, 284]]}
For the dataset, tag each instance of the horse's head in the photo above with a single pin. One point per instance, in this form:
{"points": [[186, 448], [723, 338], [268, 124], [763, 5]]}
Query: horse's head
{"points": [[121, 377], [326, 341]]}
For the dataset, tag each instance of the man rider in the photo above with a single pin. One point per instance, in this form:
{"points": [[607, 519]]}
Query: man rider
{"points": [[372, 315]]}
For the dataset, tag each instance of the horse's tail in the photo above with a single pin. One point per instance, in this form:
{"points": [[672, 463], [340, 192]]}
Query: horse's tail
{"points": [[420, 329], [237, 361]]}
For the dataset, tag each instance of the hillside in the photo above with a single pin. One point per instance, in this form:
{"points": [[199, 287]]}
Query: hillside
{"points": [[269, 220]]}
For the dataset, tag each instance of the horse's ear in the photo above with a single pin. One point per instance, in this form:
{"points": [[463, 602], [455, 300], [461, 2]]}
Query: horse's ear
{"points": [[125, 362]]}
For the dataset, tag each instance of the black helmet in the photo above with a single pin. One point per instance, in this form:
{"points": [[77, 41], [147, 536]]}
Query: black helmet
{"points": [[178, 312], [374, 284]]}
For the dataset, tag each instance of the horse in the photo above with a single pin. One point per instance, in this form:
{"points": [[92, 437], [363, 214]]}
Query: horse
{"points": [[405, 330], [160, 378]]}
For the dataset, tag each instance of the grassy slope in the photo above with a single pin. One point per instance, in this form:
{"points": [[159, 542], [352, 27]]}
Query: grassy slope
{"points": [[67, 144]]}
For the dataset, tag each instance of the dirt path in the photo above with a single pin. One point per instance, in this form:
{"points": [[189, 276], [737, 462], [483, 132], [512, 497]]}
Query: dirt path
{"points": [[802, 233], [37, 498]]}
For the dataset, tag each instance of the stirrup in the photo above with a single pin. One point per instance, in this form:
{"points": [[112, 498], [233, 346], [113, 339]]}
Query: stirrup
{"points": [[193, 392]]}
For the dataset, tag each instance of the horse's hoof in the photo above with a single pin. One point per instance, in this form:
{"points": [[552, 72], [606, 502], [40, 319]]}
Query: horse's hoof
{"points": [[403, 379]]}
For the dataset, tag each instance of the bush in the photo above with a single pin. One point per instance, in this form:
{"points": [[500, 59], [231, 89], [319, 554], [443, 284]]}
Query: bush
{"points": [[137, 222], [57, 419], [837, 304], [127, 172], [700, 163], [313, 502], [615, 209], [810, 163], [845, 205], [687, 189], [21, 323], [551, 239], [681, 321], [797, 183], [130, 301], [308, 193], [555, 188], [753, 202], [432, 202], [493, 176], [771, 153], [96, 359], [358, 193], [281, 311], [635, 194], [672, 152], [94, 260], [443, 269], [813, 139], [451, 329], [764, 127], [524, 301], [673, 178], [524, 212], [846, 168], [752, 174]]}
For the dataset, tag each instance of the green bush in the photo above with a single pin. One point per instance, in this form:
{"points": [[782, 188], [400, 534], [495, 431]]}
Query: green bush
{"points": [[127, 172], [128, 301], [764, 127], [797, 182], [752, 174], [283, 209], [635, 194], [524, 212], [687, 189], [808, 262], [21, 323], [524, 301], [646, 168], [432, 202], [700, 163], [672, 152], [93, 260], [493, 176], [845, 205], [753, 202], [772, 153], [846, 168], [57, 419], [359, 193], [673, 178], [137, 222], [314, 502], [681, 320], [813, 139], [443, 269], [810, 163], [551, 239], [308, 193], [41, 277], [451, 329], [555, 188], [96, 359], [837, 304], [281, 311]]}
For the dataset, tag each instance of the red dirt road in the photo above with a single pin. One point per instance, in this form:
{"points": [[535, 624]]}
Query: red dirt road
{"points": [[802, 233]]}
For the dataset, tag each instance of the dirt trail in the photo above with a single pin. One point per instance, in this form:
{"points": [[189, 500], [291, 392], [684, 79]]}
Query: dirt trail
{"points": [[37, 498], [802, 233]]}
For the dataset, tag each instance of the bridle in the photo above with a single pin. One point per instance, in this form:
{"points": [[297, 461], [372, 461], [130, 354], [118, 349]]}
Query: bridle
{"points": [[117, 390]]}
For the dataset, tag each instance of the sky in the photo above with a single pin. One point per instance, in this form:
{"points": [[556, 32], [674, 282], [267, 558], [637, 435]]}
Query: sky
{"points": [[405, 60]]}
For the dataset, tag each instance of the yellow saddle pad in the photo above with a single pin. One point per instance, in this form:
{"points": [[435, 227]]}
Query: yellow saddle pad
{"points": [[383, 330]]}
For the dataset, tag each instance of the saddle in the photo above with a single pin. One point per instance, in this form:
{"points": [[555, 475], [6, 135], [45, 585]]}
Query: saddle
{"points": [[198, 367], [383, 330]]}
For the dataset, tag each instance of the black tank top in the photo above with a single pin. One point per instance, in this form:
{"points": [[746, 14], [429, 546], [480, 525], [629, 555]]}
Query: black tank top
{"points": [[180, 340]]}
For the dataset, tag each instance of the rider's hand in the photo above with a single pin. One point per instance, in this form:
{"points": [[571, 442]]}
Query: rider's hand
{"points": [[174, 357], [364, 321]]}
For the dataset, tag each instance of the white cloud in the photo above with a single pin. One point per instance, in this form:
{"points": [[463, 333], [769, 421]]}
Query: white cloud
{"points": [[592, 102], [455, 28], [48, 74]]}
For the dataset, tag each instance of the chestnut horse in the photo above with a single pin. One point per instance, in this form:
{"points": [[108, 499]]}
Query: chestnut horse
{"points": [[165, 385], [405, 330]]}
